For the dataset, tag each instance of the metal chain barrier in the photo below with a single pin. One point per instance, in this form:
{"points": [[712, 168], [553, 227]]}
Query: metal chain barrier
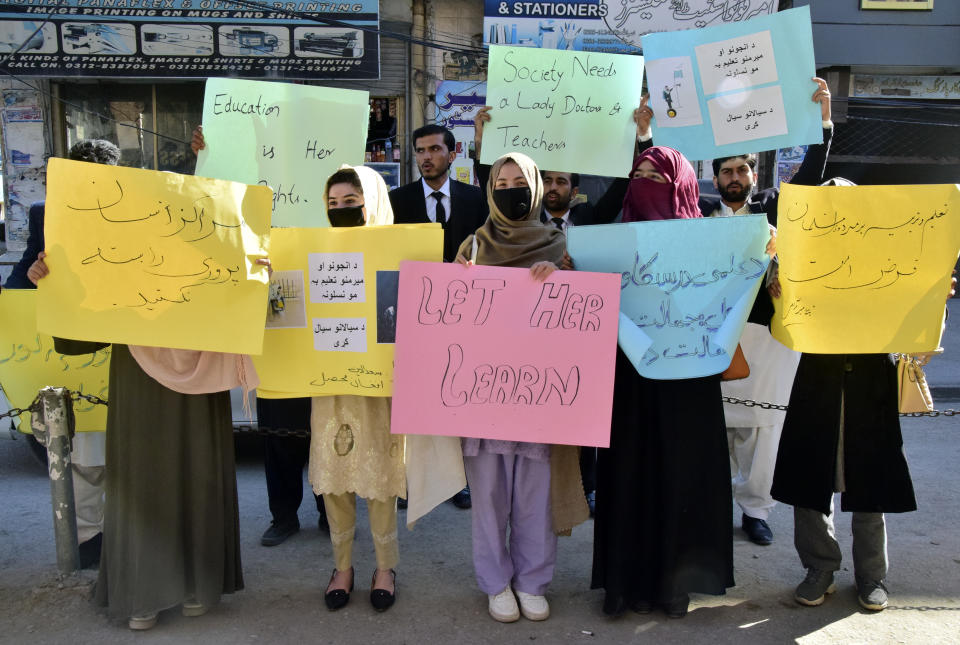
{"points": [[284, 432], [763, 405], [34, 407]]}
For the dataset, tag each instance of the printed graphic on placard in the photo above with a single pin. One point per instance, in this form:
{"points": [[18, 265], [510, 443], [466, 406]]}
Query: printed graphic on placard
{"points": [[388, 282], [865, 269], [673, 79], [287, 305]]}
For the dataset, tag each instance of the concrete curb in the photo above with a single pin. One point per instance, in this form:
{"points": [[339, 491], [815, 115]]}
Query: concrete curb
{"points": [[945, 394]]}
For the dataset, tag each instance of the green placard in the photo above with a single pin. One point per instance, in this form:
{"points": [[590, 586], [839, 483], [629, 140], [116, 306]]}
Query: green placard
{"points": [[289, 137], [570, 111]]}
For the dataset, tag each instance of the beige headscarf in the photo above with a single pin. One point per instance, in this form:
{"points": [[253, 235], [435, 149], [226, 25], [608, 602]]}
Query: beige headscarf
{"points": [[504, 242]]}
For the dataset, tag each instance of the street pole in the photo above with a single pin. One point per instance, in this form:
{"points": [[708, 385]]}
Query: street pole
{"points": [[53, 427]]}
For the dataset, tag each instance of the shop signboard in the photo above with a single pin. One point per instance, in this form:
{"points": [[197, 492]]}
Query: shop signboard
{"points": [[191, 39], [612, 26]]}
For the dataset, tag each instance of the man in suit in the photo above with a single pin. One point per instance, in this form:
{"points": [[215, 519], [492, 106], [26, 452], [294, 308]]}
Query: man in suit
{"points": [[459, 207], [753, 434], [89, 449]]}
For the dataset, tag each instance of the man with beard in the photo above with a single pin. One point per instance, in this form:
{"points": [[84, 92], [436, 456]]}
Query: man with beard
{"points": [[753, 434], [459, 207]]}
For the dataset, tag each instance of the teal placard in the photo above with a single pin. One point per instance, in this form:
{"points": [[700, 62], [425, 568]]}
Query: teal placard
{"points": [[686, 288], [289, 137], [570, 111], [737, 88]]}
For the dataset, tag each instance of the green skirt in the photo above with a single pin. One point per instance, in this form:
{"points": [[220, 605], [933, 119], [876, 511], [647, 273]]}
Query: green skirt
{"points": [[171, 525]]}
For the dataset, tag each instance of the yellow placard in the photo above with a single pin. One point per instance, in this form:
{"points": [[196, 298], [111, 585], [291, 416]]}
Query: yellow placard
{"points": [[154, 258], [29, 363], [865, 269], [331, 320]]}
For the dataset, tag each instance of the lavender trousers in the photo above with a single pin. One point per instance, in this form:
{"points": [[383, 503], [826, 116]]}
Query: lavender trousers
{"points": [[511, 490]]}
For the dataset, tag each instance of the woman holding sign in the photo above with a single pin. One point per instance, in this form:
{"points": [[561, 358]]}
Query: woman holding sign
{"points": [[351, 449], [662, 525], [171, 524], [533, 487]]}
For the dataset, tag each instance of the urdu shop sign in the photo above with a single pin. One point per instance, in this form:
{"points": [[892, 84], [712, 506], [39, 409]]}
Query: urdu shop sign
{"points": [[905, 87]]}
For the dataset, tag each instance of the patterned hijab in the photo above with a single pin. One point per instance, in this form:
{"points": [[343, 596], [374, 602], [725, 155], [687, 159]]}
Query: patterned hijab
{"points": [[504, 242], [677, 199]]}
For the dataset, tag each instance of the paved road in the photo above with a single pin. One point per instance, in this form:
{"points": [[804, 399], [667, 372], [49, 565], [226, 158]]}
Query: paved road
{"points": [[437, 598]]}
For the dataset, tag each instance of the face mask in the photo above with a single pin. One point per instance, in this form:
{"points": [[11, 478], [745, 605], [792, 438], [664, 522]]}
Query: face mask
{"points": [[346, 216], [513, 202]]}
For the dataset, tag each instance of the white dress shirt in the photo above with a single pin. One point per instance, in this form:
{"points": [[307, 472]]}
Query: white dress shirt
{"points": [[567, 223], [432, 202]]}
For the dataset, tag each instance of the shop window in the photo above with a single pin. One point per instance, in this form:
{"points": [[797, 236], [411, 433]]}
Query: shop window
{"points": [[150, 123], [382, 131]]}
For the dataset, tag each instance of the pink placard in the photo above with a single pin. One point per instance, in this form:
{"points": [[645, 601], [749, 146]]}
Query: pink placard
{"points": [[488, 352]]}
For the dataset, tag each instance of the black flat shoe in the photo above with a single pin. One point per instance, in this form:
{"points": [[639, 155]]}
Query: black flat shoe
{"points": [[677, 606], [337, 598], [381, 599], [641, 606], [613, 605]]}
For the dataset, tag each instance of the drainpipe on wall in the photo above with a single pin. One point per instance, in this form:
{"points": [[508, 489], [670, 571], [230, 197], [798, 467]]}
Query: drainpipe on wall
{"points": [[418, 79]]}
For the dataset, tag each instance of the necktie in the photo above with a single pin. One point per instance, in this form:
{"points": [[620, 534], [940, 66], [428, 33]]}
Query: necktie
{"points": [[558, 222], [441, 213]]}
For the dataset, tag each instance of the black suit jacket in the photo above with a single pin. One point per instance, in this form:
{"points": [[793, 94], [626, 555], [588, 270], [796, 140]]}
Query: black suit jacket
{"points": [[604, 211], [18, 277], [766, 201], [467, 203]]}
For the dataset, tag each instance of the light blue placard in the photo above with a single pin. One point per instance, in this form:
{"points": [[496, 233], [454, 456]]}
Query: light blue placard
{"points": [[687, 287], [758, 106]]}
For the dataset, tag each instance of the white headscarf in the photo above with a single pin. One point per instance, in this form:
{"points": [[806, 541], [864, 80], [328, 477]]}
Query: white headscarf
{"points": [[375, 195]]}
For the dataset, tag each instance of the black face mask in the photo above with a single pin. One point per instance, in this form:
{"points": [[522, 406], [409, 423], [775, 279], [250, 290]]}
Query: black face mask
{"points": [[513, 202], [346, 216]]}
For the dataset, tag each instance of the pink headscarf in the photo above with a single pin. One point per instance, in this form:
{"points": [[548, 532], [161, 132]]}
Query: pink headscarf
{"points": [[677, 199]]}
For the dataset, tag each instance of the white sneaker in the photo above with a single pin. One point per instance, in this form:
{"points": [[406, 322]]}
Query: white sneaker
{"points": [[193, 608], [533, 607], [142, 622], [503, 606]]}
